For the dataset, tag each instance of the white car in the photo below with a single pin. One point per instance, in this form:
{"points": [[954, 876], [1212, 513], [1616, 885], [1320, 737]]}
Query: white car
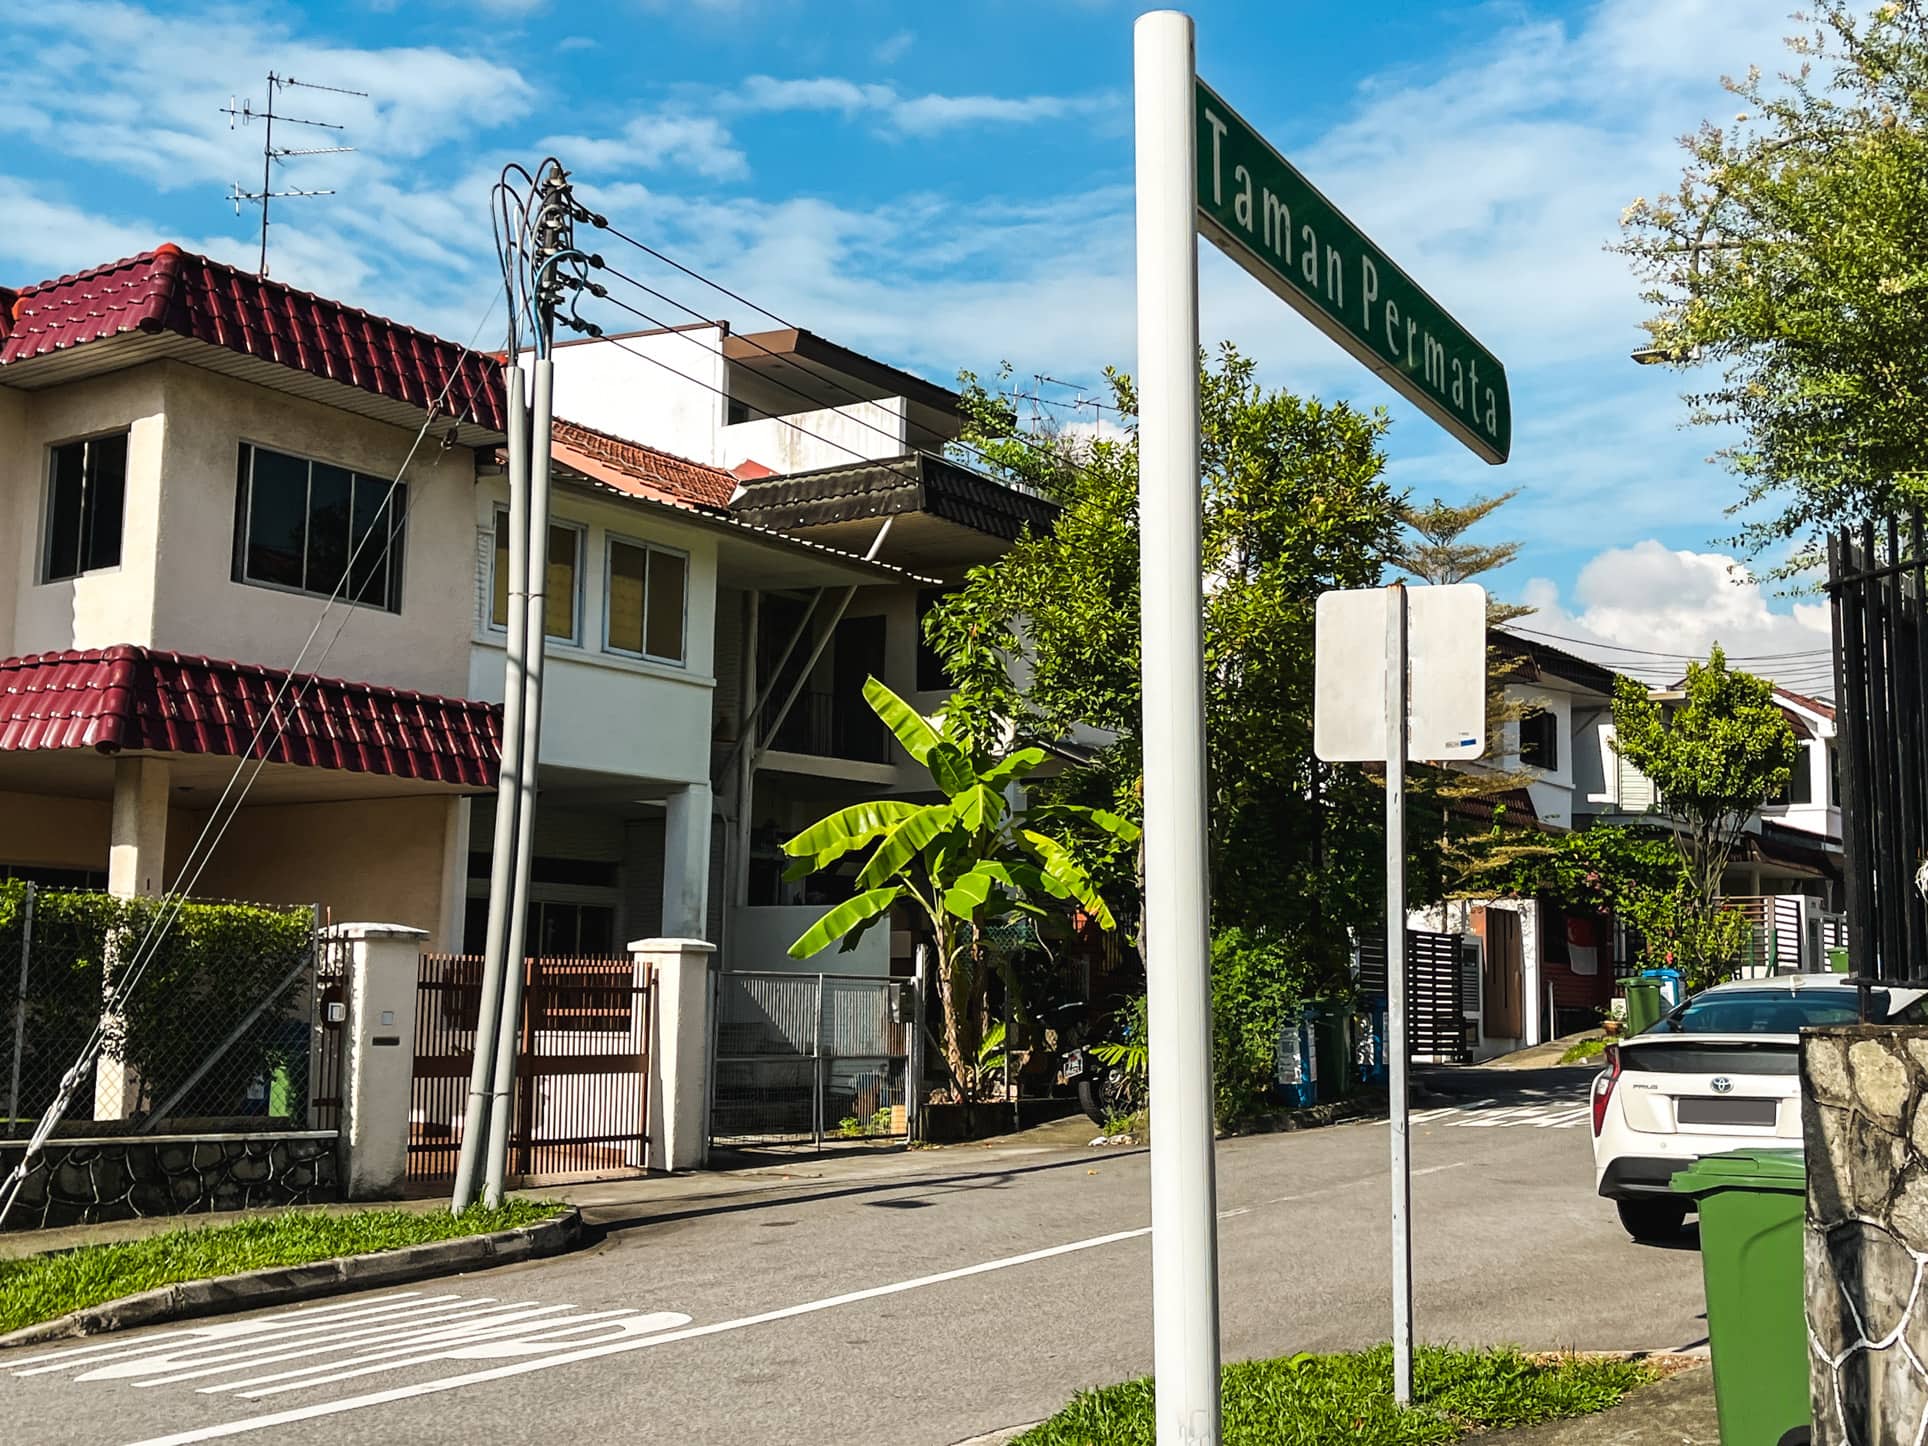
{"points": [[1720, 1072]]}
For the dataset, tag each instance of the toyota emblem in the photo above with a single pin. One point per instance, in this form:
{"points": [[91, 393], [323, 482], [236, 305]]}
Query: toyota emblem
{"points": [[1722, 1084]]}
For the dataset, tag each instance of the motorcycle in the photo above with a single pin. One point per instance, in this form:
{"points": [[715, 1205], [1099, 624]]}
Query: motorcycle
{"points": [[1107, 1090]]}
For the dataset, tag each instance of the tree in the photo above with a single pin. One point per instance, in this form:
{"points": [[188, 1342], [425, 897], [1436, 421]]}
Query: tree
{"points": [[1794, 257], [1047, 637], [960, 863], [1437, 550], [1713, 757]]}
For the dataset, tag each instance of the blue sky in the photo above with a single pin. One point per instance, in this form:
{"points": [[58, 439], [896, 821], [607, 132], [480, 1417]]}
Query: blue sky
{"points": [[950, 186]]}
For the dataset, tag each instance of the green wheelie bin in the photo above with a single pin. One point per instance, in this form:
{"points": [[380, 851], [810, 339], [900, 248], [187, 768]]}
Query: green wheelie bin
{"points": [[1751, 1204], [1644, 1004]]}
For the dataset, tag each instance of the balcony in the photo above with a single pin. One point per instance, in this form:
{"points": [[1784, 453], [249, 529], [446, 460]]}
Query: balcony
{"points": [[822, 725]]}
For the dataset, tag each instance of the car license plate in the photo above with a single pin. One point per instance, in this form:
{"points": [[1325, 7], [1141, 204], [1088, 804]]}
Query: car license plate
{"points": [[1710, 1110]]}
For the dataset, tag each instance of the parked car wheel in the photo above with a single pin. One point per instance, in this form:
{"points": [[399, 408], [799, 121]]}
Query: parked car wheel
{"points": [[1652, 1221]]}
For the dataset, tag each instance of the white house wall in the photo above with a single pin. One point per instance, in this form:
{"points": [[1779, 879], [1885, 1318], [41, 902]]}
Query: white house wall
{"points": [[610, 386], [113, 605], [829, 437], [198, 607], [604, 712]]}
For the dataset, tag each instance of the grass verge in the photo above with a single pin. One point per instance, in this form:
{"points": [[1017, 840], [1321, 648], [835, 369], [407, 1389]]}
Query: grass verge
{"points": [[1582, 1050], [40, 1287], [1308, 1400]]}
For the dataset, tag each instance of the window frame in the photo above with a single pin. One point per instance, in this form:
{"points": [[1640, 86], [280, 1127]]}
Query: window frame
{"points": [[1534, 712], [44, 574], [610, 542], [573, 639], [396, 506]]}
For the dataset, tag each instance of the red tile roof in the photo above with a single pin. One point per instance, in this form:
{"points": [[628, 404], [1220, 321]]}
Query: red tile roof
{"points": [[631, 467], [171, 290], [1818, 705], [128, 698]]}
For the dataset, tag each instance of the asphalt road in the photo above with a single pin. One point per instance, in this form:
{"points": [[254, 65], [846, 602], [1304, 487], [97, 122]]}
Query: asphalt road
{"points": [[914, 1299]]}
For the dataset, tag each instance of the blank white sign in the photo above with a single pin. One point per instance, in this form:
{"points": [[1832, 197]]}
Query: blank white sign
{"points": [[1445, 674]]}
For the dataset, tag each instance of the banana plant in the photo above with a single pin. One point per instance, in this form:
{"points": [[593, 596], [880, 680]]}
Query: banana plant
{"points": [[959, 863]]}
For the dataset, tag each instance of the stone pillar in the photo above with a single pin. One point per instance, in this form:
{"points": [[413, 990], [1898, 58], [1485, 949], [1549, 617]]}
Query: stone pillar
{"points": [[679, 1050], [136, 869], [1864, 1114], [378, 1074], [447, 938], [686, 863]]}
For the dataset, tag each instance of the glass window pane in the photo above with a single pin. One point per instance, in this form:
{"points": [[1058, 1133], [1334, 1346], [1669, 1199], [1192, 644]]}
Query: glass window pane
{"points": [[369, 543], [628, 572], [330, 509], [277, 518], [668, 577], [106, 493], [559, 603], [499, 574], [64, 494], [596, 930]]}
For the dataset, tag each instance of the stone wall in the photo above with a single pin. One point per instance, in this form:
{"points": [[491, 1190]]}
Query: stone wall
{"points": [[79, 1182], [1864, 1106]]}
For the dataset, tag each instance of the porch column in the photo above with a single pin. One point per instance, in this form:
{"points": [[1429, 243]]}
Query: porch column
{"points": [[137, 849], [686, 863], [136, 869]]}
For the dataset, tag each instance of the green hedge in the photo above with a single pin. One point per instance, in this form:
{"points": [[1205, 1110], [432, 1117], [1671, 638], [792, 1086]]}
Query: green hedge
{"points": [[214, 964]]}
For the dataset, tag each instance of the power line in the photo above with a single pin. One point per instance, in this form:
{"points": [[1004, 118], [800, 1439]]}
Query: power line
{"points": [[1651, 653]]}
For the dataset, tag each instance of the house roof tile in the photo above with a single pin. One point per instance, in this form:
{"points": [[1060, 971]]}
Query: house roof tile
{"points": [[130, 698], [658, 474], [168, 290]]}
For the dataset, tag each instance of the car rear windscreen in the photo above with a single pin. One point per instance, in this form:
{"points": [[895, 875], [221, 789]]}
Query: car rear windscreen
{"points": [[1770, 1011], [1686, 1057]]}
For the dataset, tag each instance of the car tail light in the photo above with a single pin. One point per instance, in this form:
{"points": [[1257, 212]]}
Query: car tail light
{"points": [[1603, 1088]]}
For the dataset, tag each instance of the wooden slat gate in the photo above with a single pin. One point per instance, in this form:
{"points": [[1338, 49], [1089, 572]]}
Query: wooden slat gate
{"points": [[1439, 993], [581, 1103]]}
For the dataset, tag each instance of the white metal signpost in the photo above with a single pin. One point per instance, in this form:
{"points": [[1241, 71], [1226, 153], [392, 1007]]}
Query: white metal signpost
{"points": [[1202, 169]]}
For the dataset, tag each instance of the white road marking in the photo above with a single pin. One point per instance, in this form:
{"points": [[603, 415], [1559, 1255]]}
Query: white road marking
{"points": [[623, 1346], [1559, 1114], [1436, 1169]]}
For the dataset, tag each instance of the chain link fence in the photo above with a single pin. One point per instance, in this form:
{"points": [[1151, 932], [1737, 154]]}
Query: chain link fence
{"points": [[220, 1022]]}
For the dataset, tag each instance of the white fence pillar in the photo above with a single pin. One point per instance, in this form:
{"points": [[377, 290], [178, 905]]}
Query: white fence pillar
{"points": [[679, 1050], [686, 862], [384, 965]]}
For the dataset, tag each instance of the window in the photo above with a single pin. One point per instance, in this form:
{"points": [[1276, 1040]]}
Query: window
{"points": [[931, 677], [87, 484], [312, 527], [1800, 781], [736, 412], [647, 591], [560, 596], [1834, 776], [1540, 738]]}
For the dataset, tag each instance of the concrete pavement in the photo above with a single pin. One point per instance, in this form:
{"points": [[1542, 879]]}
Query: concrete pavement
{"points": [[918, 1298]]}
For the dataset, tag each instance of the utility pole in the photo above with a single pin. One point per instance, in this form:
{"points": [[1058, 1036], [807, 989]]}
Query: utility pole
{"points": [[271, 154], [488, 1122]]}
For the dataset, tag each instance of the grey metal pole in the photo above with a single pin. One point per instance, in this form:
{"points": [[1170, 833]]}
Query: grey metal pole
{"points": [[816, 1066], [509, 1025], [914, 1048], [20, 1008], [508, 795], [1184, 1247], [1402, 1185]]}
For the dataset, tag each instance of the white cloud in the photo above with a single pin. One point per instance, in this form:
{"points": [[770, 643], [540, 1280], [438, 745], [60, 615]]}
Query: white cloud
{"points": [[696, 143], [893, 48], [918, 115], [1633, 602]]}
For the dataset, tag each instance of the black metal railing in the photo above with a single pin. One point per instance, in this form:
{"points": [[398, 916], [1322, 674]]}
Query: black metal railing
{"points": [[1876, 585]]}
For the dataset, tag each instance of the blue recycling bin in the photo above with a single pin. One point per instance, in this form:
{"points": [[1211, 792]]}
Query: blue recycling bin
{"points": [[1296, 1075], [1370, 1064], [1673, 987]]}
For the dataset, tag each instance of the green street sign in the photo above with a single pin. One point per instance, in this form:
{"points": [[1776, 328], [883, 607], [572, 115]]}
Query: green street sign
{"points": [[1267, 217]]}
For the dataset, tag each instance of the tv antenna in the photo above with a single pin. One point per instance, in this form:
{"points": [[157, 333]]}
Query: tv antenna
{"points": [[245, 114]]}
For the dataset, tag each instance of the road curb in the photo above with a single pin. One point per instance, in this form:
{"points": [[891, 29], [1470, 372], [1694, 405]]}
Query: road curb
{"points": [[1000, 1437], [278, 1285]]}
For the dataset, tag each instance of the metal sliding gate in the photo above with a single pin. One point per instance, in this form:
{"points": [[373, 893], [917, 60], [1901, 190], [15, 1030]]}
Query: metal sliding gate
{"points": [[801, 1058], [1441, 992], [581, 1101], [1878, 586]]}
